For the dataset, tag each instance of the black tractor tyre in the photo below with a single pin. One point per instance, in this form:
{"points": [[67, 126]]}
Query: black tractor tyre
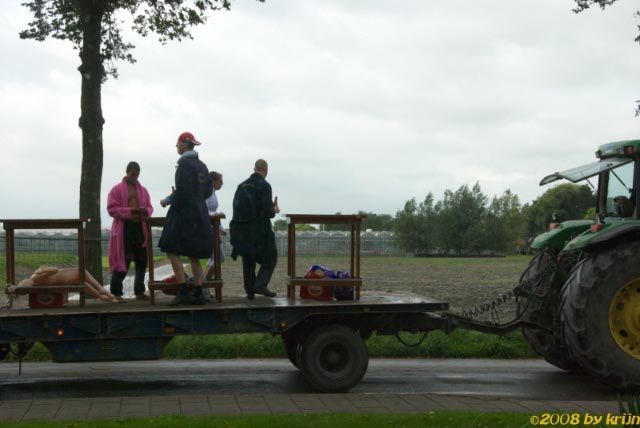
{"points": [[601, 315], [544, 310], [333, 358]]}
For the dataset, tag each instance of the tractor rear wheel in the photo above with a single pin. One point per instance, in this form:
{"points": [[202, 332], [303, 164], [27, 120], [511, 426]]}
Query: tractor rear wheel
{"points": [[601, 314], [541, 307]]}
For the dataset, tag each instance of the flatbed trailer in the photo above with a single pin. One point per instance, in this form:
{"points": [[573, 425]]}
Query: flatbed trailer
{"points": [[325, 340]]}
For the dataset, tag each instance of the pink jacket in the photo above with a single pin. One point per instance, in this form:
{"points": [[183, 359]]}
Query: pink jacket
{"points": [[118, 208]]}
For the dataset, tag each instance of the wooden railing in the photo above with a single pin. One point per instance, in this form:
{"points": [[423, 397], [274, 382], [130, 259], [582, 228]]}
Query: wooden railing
{"points": [[355, 223], [216, 283], [10, 226]]}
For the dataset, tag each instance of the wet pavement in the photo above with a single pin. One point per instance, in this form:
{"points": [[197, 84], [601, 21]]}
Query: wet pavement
{"points": [[190, 387]]}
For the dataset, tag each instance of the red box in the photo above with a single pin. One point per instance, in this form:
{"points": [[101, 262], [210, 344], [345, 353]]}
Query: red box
{"points": [[44, 299], [316, 292]]}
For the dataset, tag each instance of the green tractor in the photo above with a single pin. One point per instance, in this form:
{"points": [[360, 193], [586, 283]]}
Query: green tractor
{"points": [[580, 294]]}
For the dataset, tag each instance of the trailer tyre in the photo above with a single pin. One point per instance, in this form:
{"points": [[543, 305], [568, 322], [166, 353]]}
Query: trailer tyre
{"points": [[5, 348], [291, 345], [333, 358], [601, 315], [544, 311]]}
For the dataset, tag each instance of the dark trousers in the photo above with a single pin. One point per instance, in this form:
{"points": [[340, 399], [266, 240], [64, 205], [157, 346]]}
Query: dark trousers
{"points": [[139, 257], [253, 282]]}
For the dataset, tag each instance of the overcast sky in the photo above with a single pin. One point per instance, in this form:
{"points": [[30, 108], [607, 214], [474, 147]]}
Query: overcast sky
{"points": [[357, 105]]}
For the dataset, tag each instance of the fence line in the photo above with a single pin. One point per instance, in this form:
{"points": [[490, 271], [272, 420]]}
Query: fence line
{"points": [[307, 243]]}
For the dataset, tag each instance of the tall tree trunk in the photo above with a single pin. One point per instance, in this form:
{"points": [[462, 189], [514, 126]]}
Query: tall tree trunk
{"points": [[91, 122]]}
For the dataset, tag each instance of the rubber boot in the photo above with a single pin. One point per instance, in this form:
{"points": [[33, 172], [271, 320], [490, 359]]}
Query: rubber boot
{"points": [[182, 298], [198, 296]]}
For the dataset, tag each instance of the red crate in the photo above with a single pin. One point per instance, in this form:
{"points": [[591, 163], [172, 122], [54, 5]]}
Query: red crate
{"points": [[48, 300], [316, 292]]}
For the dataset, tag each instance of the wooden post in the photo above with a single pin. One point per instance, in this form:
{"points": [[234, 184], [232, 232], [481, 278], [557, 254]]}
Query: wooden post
{"points": [[10, 249], [150, 253], [81, 253], [81, 260], [357, 262], [151, 278], [353, 247], [358, 250], [217, 266], [291, 257], [216, 249]]}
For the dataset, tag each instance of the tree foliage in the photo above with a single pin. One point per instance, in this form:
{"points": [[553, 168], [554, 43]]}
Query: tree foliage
{"points": [[66, 20], [415, 226], [504, 223], [582, 5], [466, 221], [376, 222], [280, 225], [94, 27], [566, 201], [460, 216]]}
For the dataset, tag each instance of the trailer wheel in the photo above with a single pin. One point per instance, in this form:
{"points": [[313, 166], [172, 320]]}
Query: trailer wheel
{"points": [[5, 348], [291, 345], [601, 315], [542, 308], [333, 358]]}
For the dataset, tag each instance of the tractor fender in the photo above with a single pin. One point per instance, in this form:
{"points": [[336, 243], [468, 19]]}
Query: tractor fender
{"points": [[612, 231], [564, 232]]}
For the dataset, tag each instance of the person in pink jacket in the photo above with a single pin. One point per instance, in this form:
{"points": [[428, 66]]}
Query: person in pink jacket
{"points": [[129, 204]]}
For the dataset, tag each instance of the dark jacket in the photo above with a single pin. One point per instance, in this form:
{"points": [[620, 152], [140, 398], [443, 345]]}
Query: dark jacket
{"points": [[255, 239], [187, 230]]}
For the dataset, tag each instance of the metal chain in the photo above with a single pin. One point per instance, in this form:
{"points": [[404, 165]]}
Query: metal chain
{"points": [[527, 288], [10, 299]]}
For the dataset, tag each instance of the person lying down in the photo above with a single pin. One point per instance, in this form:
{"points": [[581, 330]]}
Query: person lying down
{"points": [[49, 275]]}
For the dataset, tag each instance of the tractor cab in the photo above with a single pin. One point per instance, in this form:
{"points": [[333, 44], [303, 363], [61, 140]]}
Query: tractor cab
{"points": [[617, 176]]}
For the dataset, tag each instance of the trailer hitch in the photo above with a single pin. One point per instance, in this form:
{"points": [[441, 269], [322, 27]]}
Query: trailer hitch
{"points": [[458, 321]]}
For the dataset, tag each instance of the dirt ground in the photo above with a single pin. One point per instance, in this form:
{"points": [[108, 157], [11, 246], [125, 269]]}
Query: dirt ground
{"points": [[463, 282]]}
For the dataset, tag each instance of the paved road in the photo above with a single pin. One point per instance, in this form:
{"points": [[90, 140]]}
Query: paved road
{"points": [[524, 379], [81, 391]]}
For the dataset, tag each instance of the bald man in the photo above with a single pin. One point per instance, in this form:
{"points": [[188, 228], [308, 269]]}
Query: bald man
{"points": [[251, 233]]}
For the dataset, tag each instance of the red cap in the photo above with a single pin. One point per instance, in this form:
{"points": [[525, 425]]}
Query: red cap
{"points": [[188, 136]]}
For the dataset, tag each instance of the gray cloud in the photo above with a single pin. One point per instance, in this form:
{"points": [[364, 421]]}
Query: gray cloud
{"points": [[358, 105]]}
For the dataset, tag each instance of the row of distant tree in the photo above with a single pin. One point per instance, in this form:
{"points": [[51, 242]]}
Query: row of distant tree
{"points": [[467, 221]]}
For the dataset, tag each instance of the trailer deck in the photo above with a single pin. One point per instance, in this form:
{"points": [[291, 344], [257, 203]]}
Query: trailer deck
{"points": [[324, 339], [377, 301]]}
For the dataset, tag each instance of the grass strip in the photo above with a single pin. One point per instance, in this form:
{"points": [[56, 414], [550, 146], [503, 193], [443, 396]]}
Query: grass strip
{"points": [[334, 420], [459, 344]]}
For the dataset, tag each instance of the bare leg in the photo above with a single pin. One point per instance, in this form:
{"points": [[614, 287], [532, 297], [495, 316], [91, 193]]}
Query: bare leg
{"points": [[95, 293], [209, 272], [90, 281], [72, 275], [196, 269], [178, 269]]}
